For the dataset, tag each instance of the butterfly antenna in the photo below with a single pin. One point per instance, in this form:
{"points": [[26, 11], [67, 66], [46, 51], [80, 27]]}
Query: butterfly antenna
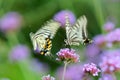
{"points": [[50, 55]]}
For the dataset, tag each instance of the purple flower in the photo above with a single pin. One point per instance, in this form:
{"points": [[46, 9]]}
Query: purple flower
{"points": [[99, 40], [91, 68], [67, 55], [109, 44], [73, 72], [106, 77], [48, 77], [110, 61], [92, 50], [109, 26], [10, 21], [38, 66], [60, 17], [93, 53], [113, 36], [19, 52]]}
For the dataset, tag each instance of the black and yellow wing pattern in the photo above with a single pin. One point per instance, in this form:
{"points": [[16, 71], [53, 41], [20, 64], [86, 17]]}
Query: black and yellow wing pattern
{"points": [[42, 39]]}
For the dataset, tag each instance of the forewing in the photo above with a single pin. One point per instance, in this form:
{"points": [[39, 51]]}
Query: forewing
{"points": [[49, 29], [40, 40], [71, 34], [80, 27], [84, 21], [33, 41]]}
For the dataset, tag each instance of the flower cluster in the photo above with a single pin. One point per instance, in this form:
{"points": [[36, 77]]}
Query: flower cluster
{"points": [[91, 68], [107, 59], [92, 50], [110, 62], [108, 39], [113, 36], [48, 77], [99, 40], [67, 55], [109, 26]]}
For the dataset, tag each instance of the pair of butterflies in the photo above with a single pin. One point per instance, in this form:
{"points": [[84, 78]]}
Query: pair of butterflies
{"points": [[75, 34]]}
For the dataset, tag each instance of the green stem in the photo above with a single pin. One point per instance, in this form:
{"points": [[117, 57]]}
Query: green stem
{"points": [[114, 77], [64, 70]]}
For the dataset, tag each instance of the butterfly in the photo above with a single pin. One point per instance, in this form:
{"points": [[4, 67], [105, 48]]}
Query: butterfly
{"points": [[77, 33], [42, 39]]}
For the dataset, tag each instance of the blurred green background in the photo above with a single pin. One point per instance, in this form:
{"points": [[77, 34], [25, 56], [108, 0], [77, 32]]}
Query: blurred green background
{"points": [[35, 13]]}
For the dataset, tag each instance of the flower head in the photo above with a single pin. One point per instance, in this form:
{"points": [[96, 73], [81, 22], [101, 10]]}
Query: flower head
{"points": [[93, 53], [110, 61], [113, 36], [99, 40], [91, 68], [19, 52], [10, 21], [60, 17], [48, 77], [109, 26], [67, 55], [92, 50]]}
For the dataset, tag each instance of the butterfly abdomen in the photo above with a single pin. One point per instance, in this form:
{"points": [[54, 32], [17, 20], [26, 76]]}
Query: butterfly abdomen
{"points": [[47, 46]]}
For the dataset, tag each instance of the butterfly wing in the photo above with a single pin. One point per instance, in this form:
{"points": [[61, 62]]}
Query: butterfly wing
{"points": [[49, 28], [34, 43], [77, 33], [71, 34], [84, 25], [38, 41], [80, 27], [40, 38]]}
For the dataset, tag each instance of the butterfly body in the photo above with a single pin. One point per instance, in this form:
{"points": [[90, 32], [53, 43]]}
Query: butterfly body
{"points": [[86, 41], [46, 47]]}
